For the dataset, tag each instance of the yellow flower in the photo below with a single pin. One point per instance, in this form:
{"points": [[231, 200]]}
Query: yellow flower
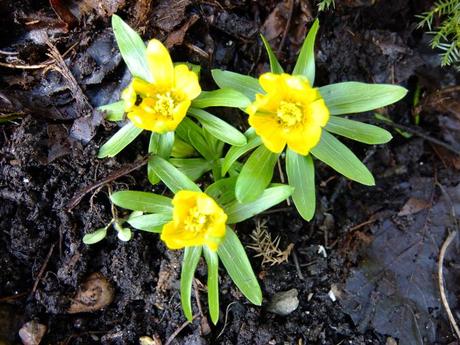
{"points": [[197, 220], [161, 105], [291, 112]]}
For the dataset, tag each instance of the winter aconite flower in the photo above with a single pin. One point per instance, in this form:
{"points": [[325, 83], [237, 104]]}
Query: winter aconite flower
{"points": [[197, 220], [291, 112], [161, 105]]}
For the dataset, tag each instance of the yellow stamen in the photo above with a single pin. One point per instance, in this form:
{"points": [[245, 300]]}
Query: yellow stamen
{"points": [[289, 114], [196, 221], [164, 104]]}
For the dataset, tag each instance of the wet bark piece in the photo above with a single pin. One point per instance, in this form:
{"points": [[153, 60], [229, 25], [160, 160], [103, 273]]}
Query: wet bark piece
{"points": [[394, 290], [168, 14], [94, 294]]}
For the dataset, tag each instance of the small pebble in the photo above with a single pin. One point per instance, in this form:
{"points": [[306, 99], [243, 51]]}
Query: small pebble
{"points": [[284, 303]]}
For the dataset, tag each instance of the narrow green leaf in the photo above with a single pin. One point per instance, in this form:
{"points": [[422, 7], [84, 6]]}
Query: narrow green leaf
{"points": [[114, 111], [301, 176], [181, 149], [194, 168], [275, 66], [305, 64], [354, 97], [174, 179], [191, 133], [150, 222], [160, 144], [237, 264], [223, 191], [95, 236], [212, 260], [191, 257], [237, 212], [236, 152], [358, 131], [221, 98], [218, 128], [119, 140], [142, 201], [245, 84], [132, 49], [340, 158], [256, 174]]}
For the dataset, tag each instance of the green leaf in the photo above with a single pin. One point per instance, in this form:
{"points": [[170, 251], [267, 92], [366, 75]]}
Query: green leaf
{"points": [[354, 97], [256, 174], [123, 234], [275, 66], [301, 176], [114, 111], [212, 260], [190, 132], [132, 49], [174, 179], [142, 201], [237, 264], [236, 152], [358, 131], [218, 128], [221, 98], [305, 64], [245, 84], [223, 191], [191, 257], [181, 149], [160, 144], [119, 140], [340, 158], [237, 212], [194, 168], [150, 222], [95, 236]]}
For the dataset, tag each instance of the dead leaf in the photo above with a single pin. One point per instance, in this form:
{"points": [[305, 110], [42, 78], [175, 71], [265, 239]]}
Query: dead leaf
{"points": [[95, 293], [412, 206], [32, 333], [177, 37], [394, 290]]}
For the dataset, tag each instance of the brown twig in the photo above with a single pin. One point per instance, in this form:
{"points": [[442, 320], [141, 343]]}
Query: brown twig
{"points": [[445, 303], [11, 65], [288, 25], [7, 299], [42, 269], [113, 176], [177, 331], [226, 319], [423, 135]]}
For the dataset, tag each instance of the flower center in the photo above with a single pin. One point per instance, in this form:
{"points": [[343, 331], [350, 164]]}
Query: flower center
{"points": [[196, 221], [164, 104], [289, 114]]}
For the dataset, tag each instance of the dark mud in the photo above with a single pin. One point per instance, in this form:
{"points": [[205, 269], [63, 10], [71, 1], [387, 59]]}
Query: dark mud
{"points": [[48, 155]]}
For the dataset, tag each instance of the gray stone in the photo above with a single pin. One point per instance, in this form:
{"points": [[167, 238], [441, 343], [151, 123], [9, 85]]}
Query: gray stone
{"points": [[283, 303]]}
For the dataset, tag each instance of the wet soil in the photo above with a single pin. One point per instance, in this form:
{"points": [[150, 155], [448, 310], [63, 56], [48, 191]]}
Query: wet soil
{"points": [[48, 155]]}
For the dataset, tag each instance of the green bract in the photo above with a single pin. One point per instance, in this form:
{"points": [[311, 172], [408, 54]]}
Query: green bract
{"points": [[341, 98]]}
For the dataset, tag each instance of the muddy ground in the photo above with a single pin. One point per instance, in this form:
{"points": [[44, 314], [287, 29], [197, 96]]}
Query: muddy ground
{"points": [[382, 243]]}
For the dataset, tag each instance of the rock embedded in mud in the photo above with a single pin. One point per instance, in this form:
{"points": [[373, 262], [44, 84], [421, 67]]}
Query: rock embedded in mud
{"points": [[284, 303], [94, 294], [32, 333]]}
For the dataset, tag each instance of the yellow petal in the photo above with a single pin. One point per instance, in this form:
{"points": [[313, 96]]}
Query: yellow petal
{"points": [[143, 88], [270, 82], [179, 113], [129, 97], [186, 82], [268, 129], [319, 113], [303, 140], [141, 119], [160, 65], [168, 235]]}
